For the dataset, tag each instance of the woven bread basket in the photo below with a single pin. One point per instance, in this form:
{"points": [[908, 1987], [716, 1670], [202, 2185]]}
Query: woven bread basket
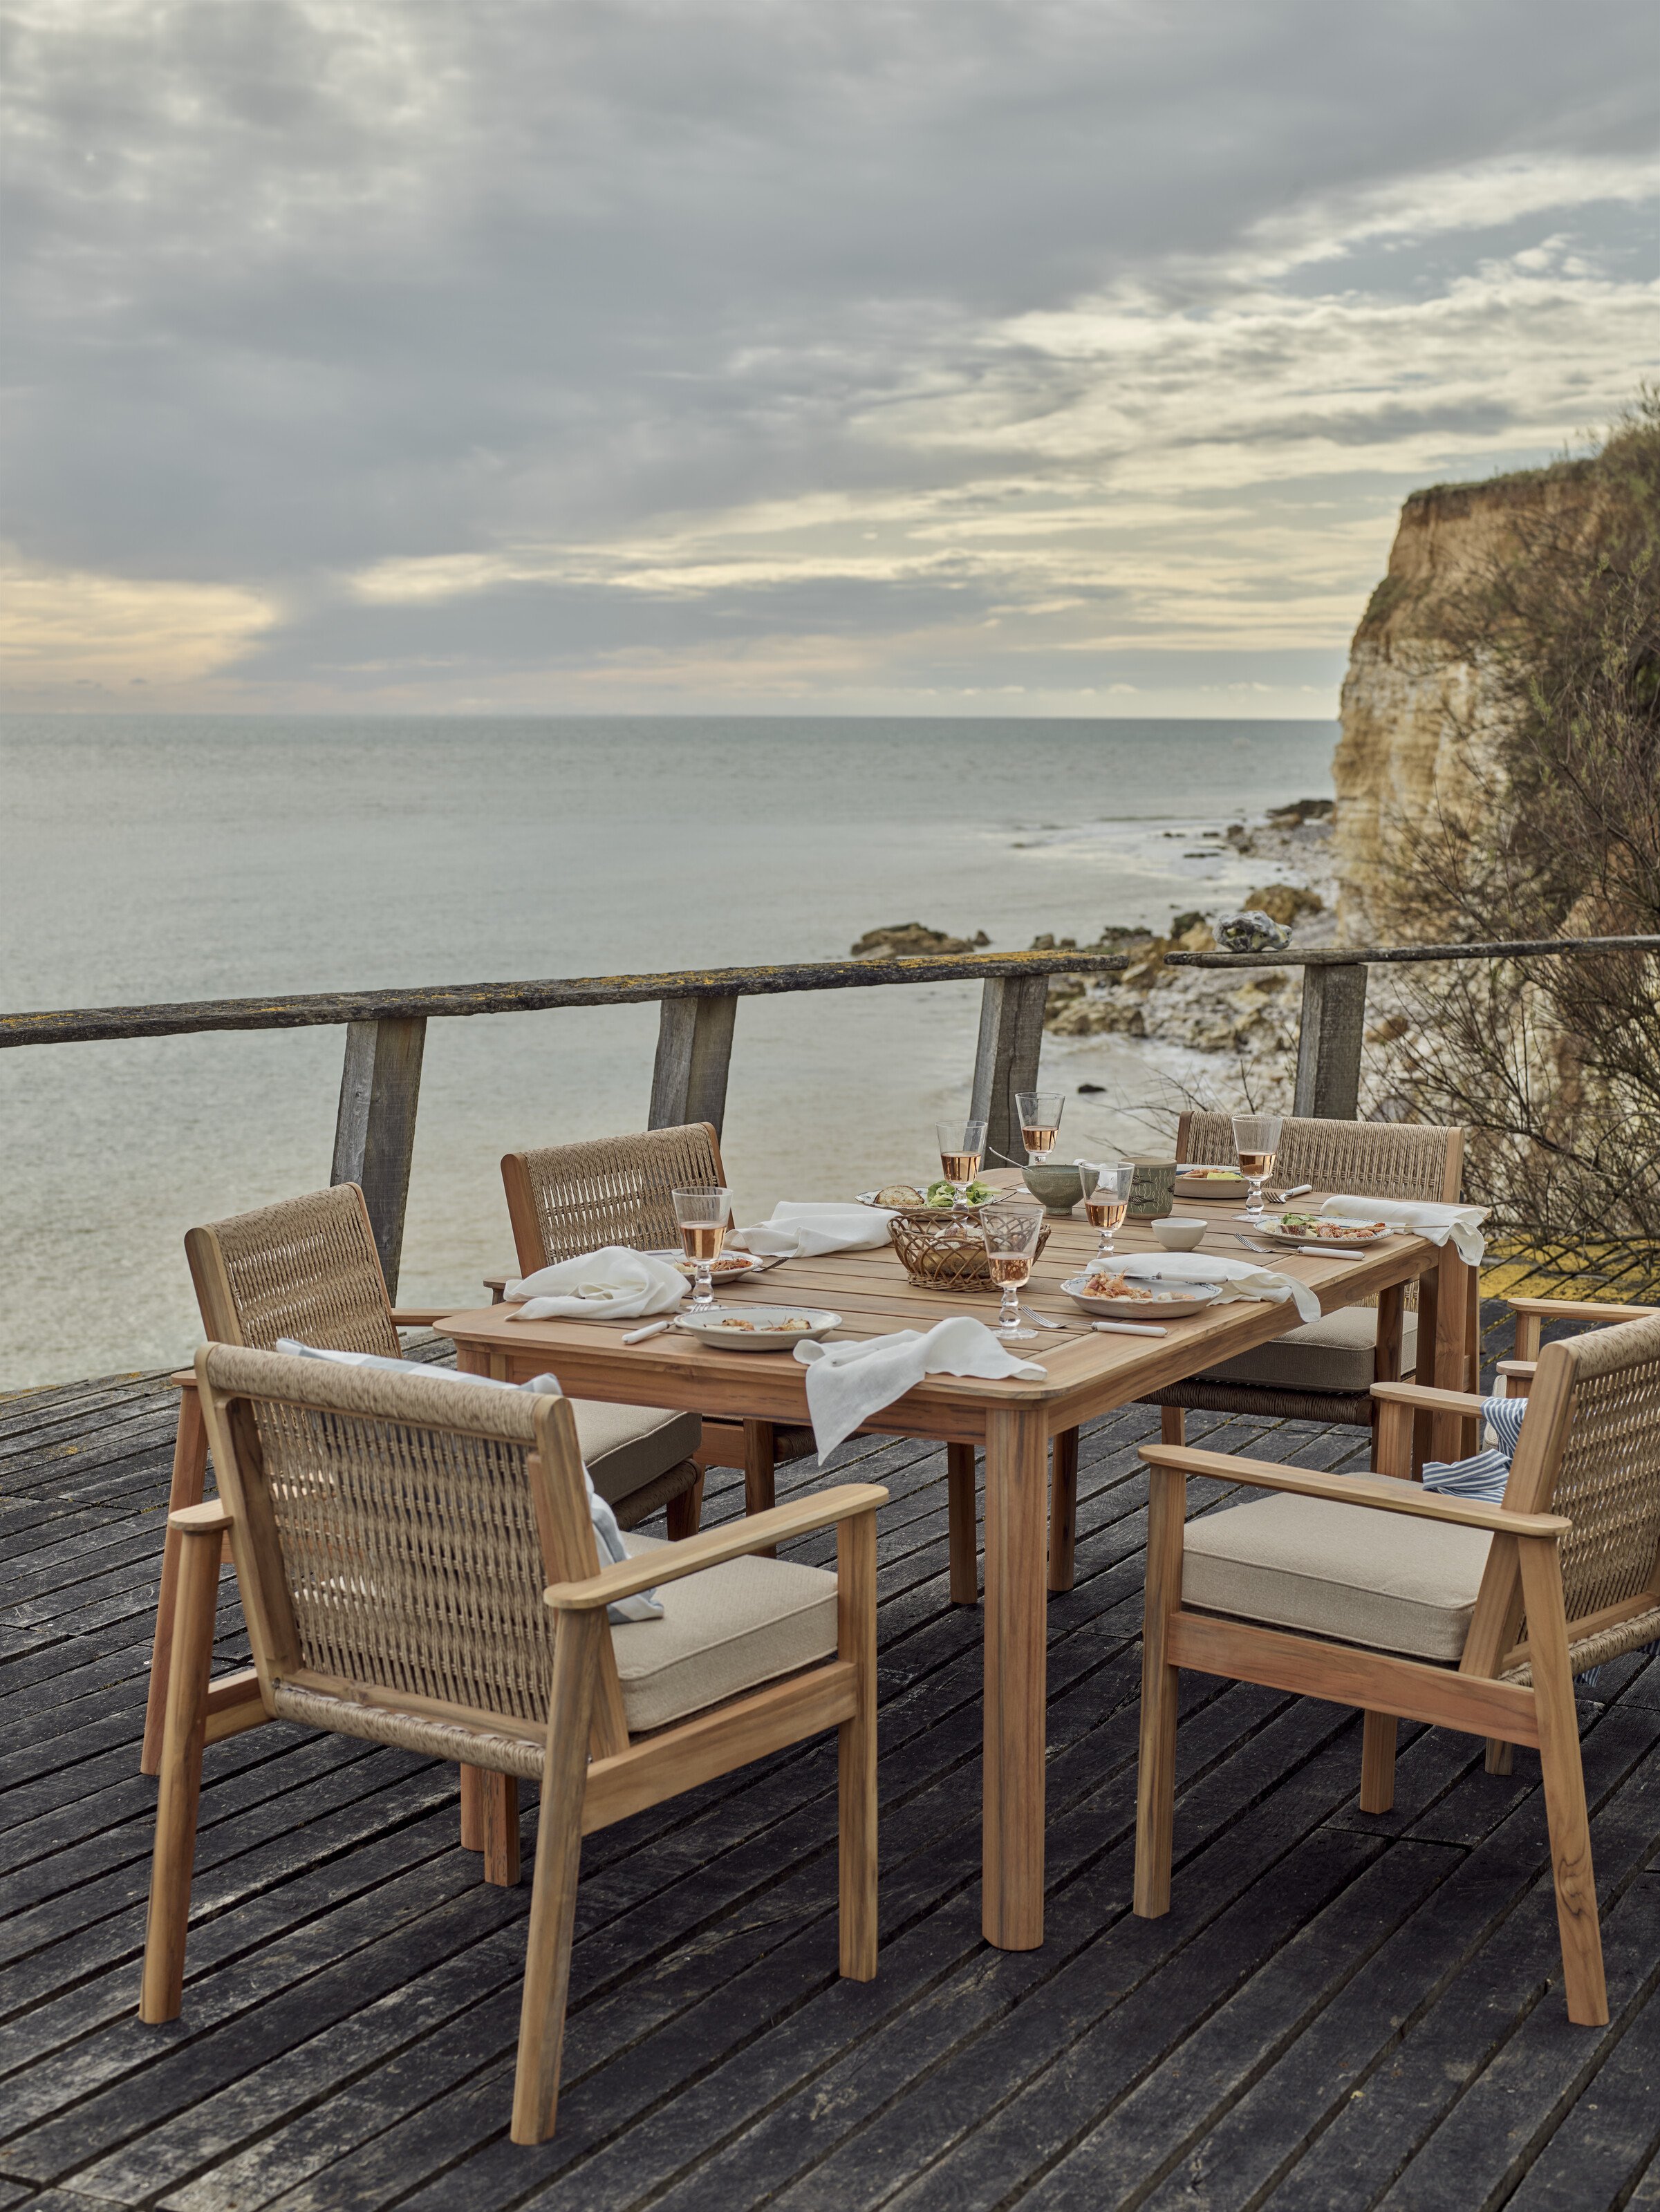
{"points": [[939, 1253]]}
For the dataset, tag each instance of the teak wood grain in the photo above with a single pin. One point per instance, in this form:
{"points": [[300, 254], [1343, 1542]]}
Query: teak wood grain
{"points": [[1086, 1375]]}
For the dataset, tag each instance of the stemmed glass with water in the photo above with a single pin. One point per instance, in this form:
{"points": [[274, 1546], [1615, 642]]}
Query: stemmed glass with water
{"points": [[701, 1215], [1106, 1206], [1040, 1123], [1010, 1234], [962, 1147], [1256, 1141]]}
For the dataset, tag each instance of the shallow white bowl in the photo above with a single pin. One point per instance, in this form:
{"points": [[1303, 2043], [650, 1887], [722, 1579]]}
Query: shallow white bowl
{"points": [[764, 1332], [1177, 1235]]}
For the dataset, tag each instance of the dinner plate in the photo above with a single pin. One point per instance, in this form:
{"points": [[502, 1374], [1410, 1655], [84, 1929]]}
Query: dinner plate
{"points": [[758, 1328], [1357, 1236], [724, 1267], [1171, 1305], [1208, 1188]]}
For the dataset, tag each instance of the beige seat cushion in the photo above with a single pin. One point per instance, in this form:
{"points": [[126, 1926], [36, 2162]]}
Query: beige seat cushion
{"points": [[1340, 1570], [722, 1632], [626, 1446], [1333, 1354]]}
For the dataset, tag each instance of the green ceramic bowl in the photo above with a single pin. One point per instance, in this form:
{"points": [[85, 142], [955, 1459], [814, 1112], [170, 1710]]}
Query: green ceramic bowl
{"points": [[1058, 1186]]}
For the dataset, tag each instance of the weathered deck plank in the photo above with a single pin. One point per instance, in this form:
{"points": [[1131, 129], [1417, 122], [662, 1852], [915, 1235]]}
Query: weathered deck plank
{"points": [[1340, 2009]]}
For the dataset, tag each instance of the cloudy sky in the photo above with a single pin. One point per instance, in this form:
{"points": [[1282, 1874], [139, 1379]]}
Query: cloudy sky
{"points": [[837, 355]]}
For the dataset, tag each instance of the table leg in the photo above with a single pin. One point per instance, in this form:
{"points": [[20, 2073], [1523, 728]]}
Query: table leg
{"points": [[1063, 1510], [1011, 1908], [962, 1525], [1449, 1436]]}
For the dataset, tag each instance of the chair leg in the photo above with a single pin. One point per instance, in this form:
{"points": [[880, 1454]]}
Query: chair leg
{"points": [[685, 1513], [553, 1893], [1564, 1784], [1501, 1756], [1172, 1424], [960, 1518], [189, 1467], [1155, 1788], [489, 1822], [1377, 1735], [1063, 1510], [855, 1747], [163, 1988], [760, 1466]]}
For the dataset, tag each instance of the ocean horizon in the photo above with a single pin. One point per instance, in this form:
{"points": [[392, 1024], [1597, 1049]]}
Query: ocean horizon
{"points": [[178, 857]]}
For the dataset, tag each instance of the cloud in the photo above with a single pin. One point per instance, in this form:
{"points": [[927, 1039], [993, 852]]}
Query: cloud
{"points": [[62, 629], [510, 352]]}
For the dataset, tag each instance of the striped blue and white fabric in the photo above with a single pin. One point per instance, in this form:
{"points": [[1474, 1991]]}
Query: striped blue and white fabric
{"points": [[1485, 1473]]}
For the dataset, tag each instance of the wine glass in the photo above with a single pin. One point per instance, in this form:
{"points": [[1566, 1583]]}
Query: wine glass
{"points": [[962, 1147], [1106, 1206], [701, 1217], [1010, 1234], [1256, 1141], [1040, 1123]]}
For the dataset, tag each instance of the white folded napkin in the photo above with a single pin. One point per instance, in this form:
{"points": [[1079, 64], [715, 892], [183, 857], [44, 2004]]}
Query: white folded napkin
{"points": [[848, 1383], [613, 1280], [798, 1231], [1238, 1278], [1437, 1224]]}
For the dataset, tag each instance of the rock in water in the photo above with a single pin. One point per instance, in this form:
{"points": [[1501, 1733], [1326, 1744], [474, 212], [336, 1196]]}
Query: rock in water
{"points": [[1252, 931]]}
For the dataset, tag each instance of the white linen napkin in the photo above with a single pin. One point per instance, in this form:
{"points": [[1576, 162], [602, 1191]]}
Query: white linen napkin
{"points": [[848, 1383], [798, 1230], [1238, 1278], [1461, 1223], [613, 1280]]}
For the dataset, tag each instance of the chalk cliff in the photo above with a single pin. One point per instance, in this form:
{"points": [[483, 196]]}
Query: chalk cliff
{"points": [[1418, 722]]}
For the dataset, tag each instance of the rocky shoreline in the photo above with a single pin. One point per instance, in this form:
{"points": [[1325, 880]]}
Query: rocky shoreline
{"points": [[1171, 1013]]}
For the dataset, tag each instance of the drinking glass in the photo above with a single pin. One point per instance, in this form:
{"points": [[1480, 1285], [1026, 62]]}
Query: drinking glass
{"points": [[1040, 1123], [701, 1217], [962, 1147], [1010, 1234], [1256, 1141], [1106, 1206]]}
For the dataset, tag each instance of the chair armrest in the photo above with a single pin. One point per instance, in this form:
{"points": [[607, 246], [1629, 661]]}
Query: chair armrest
{"points": [[1520, 1370], [419, 1317], [185, 1379], [667, 1563], [1389, 1497], [212, 1519], [1578, 1308], [1430, 1401]]}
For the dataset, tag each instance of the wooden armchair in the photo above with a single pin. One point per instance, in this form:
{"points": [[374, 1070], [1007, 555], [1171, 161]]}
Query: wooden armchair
{"points": [[563, 1200], [308, 1268], [567, 1199], [395, 1535], [1370, 1591], [1532, 1314], [1324, 1370]]}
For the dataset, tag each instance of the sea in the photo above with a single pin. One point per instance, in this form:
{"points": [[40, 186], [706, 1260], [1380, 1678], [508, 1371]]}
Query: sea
{"points": [[215, 857]]}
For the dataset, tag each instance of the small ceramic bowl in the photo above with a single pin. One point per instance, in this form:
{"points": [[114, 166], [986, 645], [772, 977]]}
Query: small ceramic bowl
{"points": [[1058, 1185], [1178, 1235]]}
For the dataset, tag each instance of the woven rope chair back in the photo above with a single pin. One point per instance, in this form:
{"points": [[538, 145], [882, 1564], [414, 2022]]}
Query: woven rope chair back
{"points": [[404, 1522], [1368, 1159], [305, 1268], [1608, 1479], [568, 1199]]}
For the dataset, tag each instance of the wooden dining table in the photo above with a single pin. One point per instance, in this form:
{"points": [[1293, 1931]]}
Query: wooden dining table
{"points": [[1086, 1374]]}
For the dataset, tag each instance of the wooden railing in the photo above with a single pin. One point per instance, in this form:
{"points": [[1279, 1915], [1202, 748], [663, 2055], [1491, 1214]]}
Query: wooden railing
{"points": [[385, 1036], [1333, 1018]]}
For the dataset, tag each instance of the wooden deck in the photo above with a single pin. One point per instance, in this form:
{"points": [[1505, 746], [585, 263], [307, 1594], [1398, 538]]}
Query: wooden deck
{"points": [[1339, 2010]]}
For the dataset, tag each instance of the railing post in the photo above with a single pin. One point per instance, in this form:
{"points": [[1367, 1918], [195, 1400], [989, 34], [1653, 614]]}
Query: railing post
{"points": [[694, 1052], [375, 1131], [1329, 1042], [1005, 1059]]}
